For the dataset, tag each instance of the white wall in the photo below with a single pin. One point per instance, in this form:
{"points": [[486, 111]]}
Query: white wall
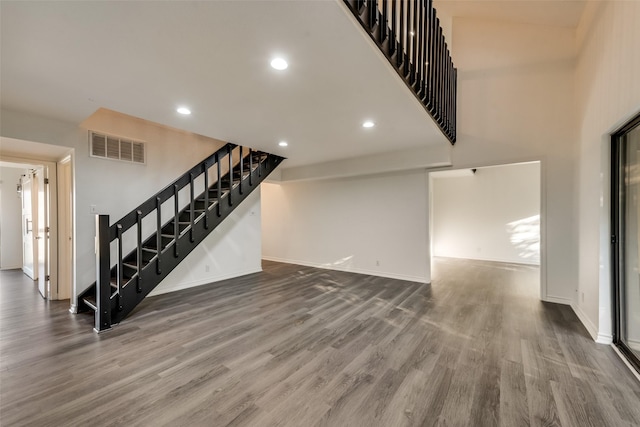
{"points": [[516, 104], [491, 215], [372, 224], [608, 95], [10, 219], [117, 187], [233, 249]]}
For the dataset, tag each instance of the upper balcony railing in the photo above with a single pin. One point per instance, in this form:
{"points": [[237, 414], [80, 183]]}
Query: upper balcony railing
{"points": [[409, 34]]}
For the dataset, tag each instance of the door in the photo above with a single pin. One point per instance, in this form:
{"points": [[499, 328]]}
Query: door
{"points": [[626, 240], [29, 246]]}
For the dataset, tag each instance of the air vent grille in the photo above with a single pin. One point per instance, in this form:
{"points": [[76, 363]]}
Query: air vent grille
{"points": [[116, 148]]}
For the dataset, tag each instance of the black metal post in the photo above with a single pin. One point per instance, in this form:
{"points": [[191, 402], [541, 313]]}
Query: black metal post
{"points": [[219, 183], [192, 214], [120, 277], [230, 174], [103, 275], [206, 196], [241, 169], [139, 250], [176, 223], [158, 233], [250, 167]]}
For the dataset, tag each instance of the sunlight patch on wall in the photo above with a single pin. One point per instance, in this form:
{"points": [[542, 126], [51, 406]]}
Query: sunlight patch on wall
{"points": [[524, 235]]}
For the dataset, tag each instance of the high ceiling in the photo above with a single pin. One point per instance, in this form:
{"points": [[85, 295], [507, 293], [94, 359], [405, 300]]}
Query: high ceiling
{"points": [[562, 13], [65, 60]]}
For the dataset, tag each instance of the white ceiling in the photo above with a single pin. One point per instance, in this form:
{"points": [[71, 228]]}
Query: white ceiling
{"points": [[562, 13], [66, 59]]}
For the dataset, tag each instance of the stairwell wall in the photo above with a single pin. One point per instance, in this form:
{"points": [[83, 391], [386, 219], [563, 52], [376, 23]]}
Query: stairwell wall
{"points": [[115, 188]]}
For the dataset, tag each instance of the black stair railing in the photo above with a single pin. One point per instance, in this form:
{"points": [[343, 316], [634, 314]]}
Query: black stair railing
{"points": [[214, 187], [409, 34]]}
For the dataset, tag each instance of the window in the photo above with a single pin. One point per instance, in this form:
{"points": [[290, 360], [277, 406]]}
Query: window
{"points": [[116, 148], [625, 215]]}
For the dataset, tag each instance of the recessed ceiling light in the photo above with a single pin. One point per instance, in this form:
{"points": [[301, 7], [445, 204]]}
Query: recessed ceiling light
{"points": [[282, 143], [183, 110], [368, 124], [279, 64]]}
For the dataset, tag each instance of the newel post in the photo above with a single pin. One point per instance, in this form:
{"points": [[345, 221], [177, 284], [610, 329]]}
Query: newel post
{"points": [[103, 273]]}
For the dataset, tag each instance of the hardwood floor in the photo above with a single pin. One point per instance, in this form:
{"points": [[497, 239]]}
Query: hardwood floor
{"points": [[298, 346]]}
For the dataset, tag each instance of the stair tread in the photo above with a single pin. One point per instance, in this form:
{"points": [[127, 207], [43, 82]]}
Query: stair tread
{"points": [[90, 301]]}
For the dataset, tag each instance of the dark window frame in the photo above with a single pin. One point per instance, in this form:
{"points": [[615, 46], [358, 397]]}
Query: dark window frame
{"points": [[618, 207]]}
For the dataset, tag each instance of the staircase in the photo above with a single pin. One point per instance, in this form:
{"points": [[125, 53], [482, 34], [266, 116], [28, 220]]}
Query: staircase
{"points": [[164, 229]]}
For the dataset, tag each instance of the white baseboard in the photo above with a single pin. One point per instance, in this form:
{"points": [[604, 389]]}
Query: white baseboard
{"points": [[205, 281], [604, 339], [588, 324], [334, 267], [16, 267], [557, 300], [490, 259]]}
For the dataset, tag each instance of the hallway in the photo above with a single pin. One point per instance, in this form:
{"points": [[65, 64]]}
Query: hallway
{"points": [[300, 346]]}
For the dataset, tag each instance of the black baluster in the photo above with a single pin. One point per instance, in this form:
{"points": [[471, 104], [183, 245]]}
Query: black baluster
{"points": [[219, 183], [120, 276], [139, 250], [176, 221], [158, 232]]}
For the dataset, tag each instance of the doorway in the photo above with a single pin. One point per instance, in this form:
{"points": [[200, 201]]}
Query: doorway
{"points": [[489, 213], [44, 255], [625, 215]]}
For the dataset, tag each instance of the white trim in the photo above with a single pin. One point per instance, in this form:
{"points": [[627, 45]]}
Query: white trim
{"points": [[604, 338], [403, 277], [557, 300], [588, 324], [626, 362], [194, 283], [501, 260]]}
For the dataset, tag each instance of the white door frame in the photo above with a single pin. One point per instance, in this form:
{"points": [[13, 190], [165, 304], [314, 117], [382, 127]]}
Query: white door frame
{"points": [[52, 288], [66, 276]]}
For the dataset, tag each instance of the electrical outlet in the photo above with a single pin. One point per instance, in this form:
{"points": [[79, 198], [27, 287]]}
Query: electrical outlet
{"points": [[582, 296], [93, 209], [206, 268], [377, 263]]}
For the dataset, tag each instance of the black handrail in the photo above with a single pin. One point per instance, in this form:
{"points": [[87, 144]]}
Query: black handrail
{"points": [[148, 206], [413, 42], [190, 216]]}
